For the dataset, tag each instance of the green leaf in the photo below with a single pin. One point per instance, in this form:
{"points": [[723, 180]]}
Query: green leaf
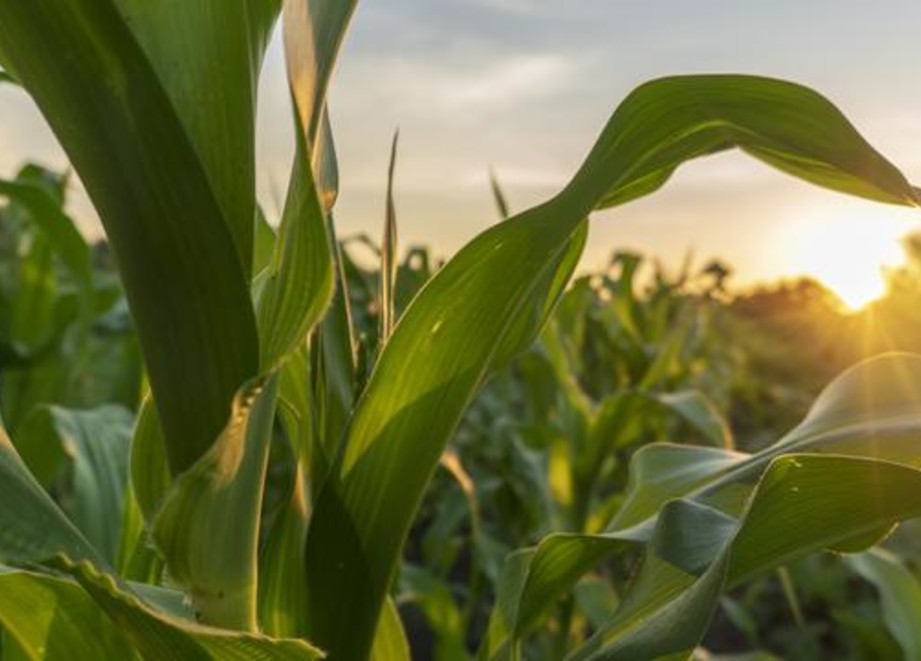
{"points": [[698, 411], [282, 602], [498, 196], [408, 419], [150, 478], [32, 528], [156, 192], [207, 56], [389, 254], [54, 619], [900, 594], [208, 525], [137, 559], [390, 642], [662, 471], [665, 122], [32, 323], [47, 214], [314, 30], [434, 598], [489, 302], [803, 503], [615, 423], [876, 399], [93, 445], [872, 413], [159, 635], [298, 283]]}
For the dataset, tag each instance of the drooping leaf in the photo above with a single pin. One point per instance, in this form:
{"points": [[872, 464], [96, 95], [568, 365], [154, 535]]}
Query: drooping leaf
{"points": [[872, 410], [162, 636], [872, 414], [490, 300]]}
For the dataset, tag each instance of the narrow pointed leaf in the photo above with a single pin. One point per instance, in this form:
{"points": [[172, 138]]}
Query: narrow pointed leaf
{"points": [[389, 254], [390, 643], [299, 280]]}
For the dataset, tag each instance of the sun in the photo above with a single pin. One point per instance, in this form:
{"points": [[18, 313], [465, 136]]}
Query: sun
{"points": [[849, 252]]}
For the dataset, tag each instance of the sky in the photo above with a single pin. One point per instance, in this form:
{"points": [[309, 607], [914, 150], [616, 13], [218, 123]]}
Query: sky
{"points": [[524, 87]]}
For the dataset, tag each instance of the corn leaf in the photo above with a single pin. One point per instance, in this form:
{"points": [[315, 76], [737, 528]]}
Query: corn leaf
{"points": [[54, 619], [490, 300], [298, 282], [35, 531], [803, 503], [150, 477], [207, 57], [870, 413], [389, 253], [121, 122], [159, 635], [92, 446], [32, 528], [900, 595], [390, 643], [282, 603], [208, 525], [63, 235], [137, 559]]}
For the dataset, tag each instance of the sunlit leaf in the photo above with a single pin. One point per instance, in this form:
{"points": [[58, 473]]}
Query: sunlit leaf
{"points": [[783, 505], [208, 525], [490, 301]]}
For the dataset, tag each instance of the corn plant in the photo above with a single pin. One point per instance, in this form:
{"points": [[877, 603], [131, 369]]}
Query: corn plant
{"points": [[154, 103], [546, 445]]}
